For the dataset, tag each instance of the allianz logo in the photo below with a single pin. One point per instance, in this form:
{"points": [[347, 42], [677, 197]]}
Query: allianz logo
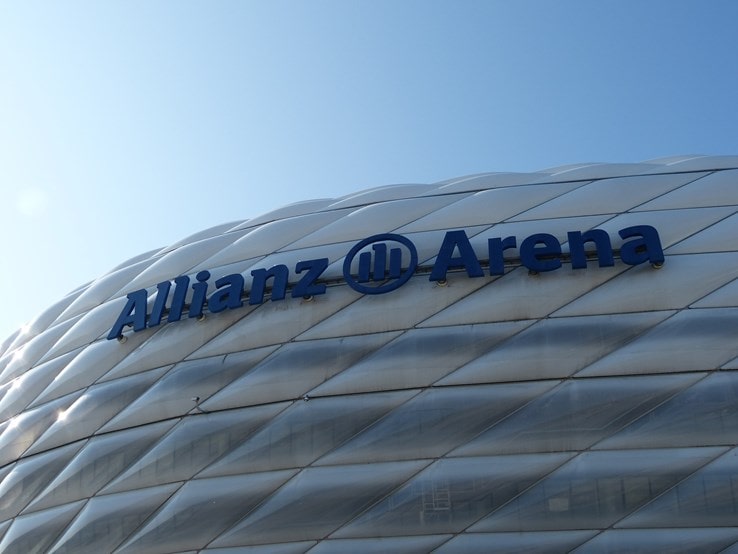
{"points": [[380, 264]]}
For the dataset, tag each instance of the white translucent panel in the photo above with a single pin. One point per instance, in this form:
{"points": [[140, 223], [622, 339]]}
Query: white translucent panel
{"points": [[733, 549], [542, 542], [29, 476], [463, 178], [17, 334], [173, 342], [669, 163], [558, 227], [192, 517], [420, 357], [34, 533], [555, 348], [451, 494], [381, 545], [290, 257], [723, 297], [709, 498], [318, 501], [291, 210], [23, 430], [306, 431], [484, 181], [375, 218], [90, 364], [243, 267], [414, 302], [194, 443], [487, 207], [519, 295], [294, 369], [691, 340], [596, 489], [576, 414], [105, 288], [22, 390], [90, 326], [99, 461], [560, 169], [135, 259], [647, 541], [705, 163], [705, 413], [271, 237], [93, 409], [607, 196], [277, 322], [44, 320], [434, 422], [384, 193], [106, 521], [682, 280], [4, 527], [4, 472], [210, 232], [695, 163], [716, 189], [673, 226], [179, 261], [23, 358], [272, 548], [184, 386], [719, 237], [581, 172]]}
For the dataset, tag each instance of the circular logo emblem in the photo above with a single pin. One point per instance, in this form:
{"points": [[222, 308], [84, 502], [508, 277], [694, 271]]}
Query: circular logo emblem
{"points": [[382, 264]]}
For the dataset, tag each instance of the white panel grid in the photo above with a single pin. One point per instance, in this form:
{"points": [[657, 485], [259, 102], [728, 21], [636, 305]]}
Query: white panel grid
{"points": [[306, 425]]}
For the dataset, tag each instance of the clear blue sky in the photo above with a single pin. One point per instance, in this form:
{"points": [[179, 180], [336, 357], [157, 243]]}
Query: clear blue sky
{"points": [[125, 126]]}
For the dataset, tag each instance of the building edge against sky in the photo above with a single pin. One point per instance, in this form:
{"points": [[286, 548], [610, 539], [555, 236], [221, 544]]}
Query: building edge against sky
{"points": [[540, 362]]}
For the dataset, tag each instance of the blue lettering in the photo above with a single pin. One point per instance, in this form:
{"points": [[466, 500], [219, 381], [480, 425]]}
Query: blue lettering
{"points": [[199, 290], [603, 247], [645, 246], [496, 249], [279, 273], [227, 294], [541, 252], [133, 314], [178, 298], [466, 259], [162, 292], [307, 286]]}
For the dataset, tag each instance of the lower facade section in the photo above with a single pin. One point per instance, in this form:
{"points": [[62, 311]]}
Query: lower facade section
{"points": [[600, 464]]}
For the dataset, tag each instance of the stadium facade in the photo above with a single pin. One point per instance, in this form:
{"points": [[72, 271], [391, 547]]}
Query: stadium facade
{"points": [[541, 362]]}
